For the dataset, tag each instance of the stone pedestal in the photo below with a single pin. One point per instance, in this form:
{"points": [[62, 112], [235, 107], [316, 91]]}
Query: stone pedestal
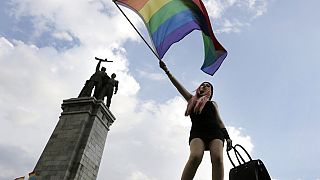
{"points": [[75, 147]]}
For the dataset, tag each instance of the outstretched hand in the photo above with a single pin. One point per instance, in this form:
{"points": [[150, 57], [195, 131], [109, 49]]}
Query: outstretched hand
{"points": [[163, 66], [229, 144]]}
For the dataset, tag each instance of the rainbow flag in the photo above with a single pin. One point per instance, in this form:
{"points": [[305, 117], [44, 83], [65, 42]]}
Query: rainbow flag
{"points": [[169, 21]]}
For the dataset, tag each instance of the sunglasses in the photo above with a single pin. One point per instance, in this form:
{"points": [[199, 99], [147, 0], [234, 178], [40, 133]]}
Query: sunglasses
{"points": [[206, 85]]}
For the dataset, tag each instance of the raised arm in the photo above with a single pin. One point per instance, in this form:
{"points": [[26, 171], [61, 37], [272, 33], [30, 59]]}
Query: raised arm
{"points": [[175, 82], [98, 65]]}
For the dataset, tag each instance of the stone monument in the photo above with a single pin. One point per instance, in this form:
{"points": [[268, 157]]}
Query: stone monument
{"points": [[75, 148]]}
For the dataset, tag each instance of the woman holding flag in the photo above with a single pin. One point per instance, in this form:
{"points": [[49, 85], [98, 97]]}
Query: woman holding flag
{"points": [[169, 21], [207, 131]]}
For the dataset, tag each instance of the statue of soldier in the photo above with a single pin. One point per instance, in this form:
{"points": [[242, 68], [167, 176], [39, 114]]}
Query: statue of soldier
{"points": [[112, 85], [98, 80]]}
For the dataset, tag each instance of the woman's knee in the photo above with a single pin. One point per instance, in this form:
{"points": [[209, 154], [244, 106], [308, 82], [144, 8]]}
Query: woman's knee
{"points": [[217, 159], [216, 152], [195, 158], [196, 151]]}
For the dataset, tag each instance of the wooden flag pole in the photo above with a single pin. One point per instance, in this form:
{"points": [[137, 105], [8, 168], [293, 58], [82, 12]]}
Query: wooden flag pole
{"points": [[138, 32]]}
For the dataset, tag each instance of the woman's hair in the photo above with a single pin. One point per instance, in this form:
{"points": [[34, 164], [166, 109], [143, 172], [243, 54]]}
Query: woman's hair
{"points": [[197, 102]]}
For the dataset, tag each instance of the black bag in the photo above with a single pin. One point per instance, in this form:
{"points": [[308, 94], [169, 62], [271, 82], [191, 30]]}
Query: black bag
{"points": [[250, 170]]}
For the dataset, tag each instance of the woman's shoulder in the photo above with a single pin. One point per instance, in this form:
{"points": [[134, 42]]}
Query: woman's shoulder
{"points": [[213, 103]]}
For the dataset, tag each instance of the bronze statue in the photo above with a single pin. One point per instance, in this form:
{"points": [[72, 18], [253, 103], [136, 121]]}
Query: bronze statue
{"points": [[112, 85], [103, 85]]}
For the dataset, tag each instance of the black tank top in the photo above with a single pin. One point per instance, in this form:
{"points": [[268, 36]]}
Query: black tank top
{"points": [[205, 123]]}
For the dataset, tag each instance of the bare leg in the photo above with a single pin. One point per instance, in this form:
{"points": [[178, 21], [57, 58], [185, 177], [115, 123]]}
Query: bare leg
{"points": [[195, 158], [216, 153]]}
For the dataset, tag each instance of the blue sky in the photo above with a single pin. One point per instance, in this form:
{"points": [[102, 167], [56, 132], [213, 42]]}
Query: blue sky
{"points": [[267, 88]]}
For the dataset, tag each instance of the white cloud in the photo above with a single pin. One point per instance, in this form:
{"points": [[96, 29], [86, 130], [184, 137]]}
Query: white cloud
{"points": [[92, 22], [5, 46], [215, 8], [151, 75], [259, 7], [139, 176], [241, 11], [62, 35], [218, 8], [231, 26]]}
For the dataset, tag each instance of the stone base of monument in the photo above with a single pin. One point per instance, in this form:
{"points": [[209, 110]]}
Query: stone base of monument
{"points": [[75, 148]]}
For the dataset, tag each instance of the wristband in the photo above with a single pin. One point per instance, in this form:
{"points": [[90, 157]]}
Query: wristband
{"points": [[225, 133]]}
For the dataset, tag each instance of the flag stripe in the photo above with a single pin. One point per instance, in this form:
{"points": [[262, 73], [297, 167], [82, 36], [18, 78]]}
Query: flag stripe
{"points": [[167, 11], [135, 4], [176, 36], [209, 50], [151, 7], [221, 54], [173, 23], [203, 10]]}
